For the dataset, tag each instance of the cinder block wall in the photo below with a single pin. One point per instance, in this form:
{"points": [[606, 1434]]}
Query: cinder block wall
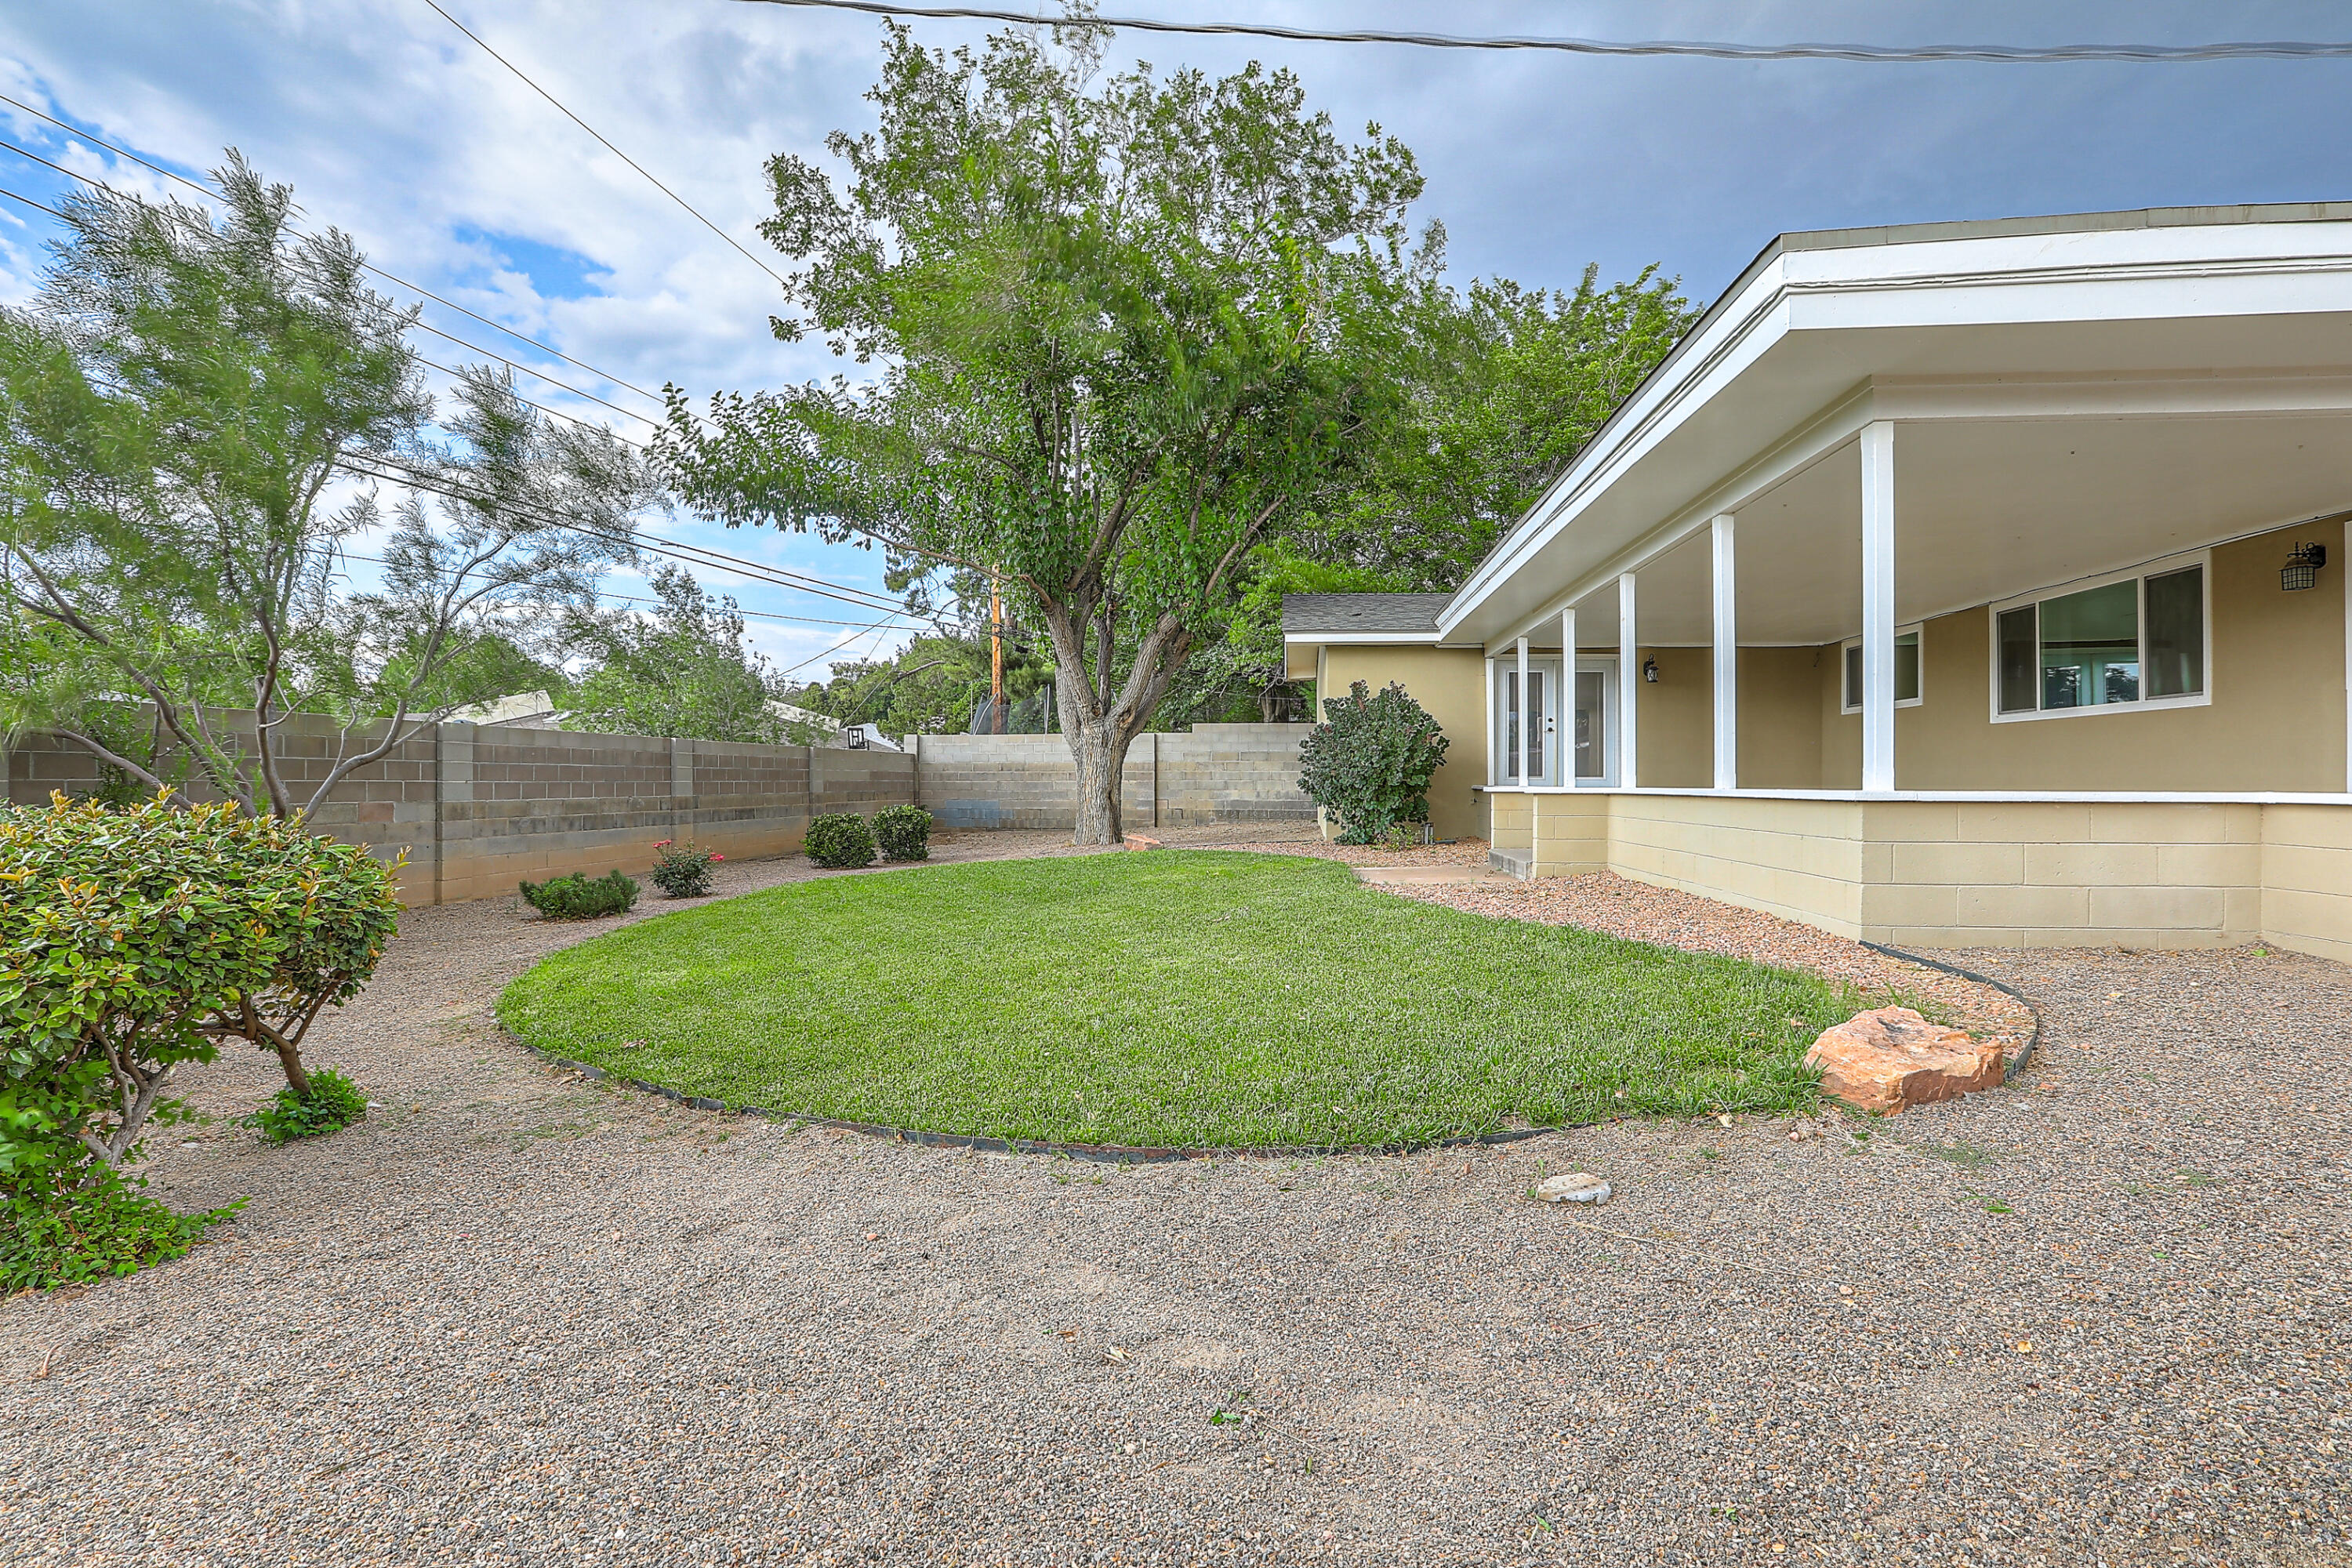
{"points": [[477, 809], [1215, 773]]}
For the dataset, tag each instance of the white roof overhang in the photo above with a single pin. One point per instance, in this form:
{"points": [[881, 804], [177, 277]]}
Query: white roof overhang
{"points": [[2071, 395]]}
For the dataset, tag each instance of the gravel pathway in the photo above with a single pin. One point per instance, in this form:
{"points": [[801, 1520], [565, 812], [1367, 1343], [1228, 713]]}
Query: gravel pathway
{"points": [[515, 1319]]}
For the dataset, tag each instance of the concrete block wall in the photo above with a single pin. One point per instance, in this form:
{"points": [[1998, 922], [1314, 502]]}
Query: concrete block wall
{"points": [[477, 809], [1211, 774]]}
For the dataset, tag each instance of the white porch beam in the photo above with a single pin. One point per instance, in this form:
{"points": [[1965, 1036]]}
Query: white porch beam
{"points": [[1727, 660], [1878, 607], [1629, 686], [1527, 720], [1567, 779]]}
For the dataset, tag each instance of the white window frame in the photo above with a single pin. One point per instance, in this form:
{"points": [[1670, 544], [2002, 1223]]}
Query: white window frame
{"points": [[1916, 629], [2140, 574]]}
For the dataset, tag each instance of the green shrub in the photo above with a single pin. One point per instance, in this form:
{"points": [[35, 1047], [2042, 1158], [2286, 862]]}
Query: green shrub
{"points": [[582, 898], [134, 941], [1369, 763], [333, 1102], [682, 871], [111, 1228], [903, 833], [840, 840]]}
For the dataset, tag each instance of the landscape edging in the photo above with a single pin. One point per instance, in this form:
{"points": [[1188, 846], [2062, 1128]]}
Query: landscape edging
{"points": [[2017, 1063]]}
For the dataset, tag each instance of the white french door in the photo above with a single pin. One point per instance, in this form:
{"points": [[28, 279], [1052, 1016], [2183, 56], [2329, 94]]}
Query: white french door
{"points": [[1592, 731], [1591, 728]]}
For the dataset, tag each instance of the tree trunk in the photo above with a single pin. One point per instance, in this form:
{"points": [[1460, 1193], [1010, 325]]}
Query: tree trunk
{"points": [[1101, 749], [290, 1058]]}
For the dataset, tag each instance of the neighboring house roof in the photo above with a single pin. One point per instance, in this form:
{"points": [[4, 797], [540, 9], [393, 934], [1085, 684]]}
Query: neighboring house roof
{"points": [[520, 710], [1388, 617], [790, 713]]}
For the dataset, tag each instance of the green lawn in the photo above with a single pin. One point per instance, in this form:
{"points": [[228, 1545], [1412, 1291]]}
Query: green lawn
{"points": [[1199, 998]]}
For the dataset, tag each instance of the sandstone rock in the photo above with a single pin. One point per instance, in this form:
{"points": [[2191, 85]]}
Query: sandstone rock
{"points": [[1892, 1058], [1573, 1187], [1140, 841]]}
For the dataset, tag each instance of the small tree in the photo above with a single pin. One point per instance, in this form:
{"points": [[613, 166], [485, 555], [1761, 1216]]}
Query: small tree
{"points": [[1370, 763], [176, 406], [682, 670]]}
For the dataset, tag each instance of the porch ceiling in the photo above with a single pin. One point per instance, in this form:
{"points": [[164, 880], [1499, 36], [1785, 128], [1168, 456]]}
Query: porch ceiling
{"points": [[1988, 508]]}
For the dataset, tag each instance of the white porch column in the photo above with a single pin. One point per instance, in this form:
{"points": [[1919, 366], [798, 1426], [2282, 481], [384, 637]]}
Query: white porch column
{"points": [[1527, 720], [1568, 697], [1629, 685], [1878, 606], [1726, 662]]}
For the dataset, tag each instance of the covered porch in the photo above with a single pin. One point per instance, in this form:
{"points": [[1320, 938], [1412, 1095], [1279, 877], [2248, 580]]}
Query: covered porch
{"points": [[2024, 634]]}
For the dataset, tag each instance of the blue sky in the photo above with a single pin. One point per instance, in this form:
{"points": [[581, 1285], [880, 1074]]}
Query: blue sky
{"points": [[390, 124]]}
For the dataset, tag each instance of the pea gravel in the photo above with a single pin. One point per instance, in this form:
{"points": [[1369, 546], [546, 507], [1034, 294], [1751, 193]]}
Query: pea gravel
{"points": [[514, 1318]]}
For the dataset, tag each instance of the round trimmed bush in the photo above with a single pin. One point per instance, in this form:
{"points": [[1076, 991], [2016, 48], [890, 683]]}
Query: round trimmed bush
{"points": [[903, 833], [839, 841], [582, 898]]}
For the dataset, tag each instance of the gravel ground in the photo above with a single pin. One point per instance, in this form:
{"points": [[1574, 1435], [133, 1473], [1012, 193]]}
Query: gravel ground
{"points": [[515, 1319]]}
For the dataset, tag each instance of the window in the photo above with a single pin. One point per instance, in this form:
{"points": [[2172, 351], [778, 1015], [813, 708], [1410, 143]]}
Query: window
{"points": [[1906, 671], [2128, 642]]}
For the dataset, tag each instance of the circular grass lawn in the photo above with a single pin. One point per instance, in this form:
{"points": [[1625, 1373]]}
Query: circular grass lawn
{"points": [[1173, 998]]}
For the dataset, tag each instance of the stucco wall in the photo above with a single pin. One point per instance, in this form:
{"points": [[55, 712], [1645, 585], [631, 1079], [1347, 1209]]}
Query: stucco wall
{"points": [[2276, 723], [1451, 683]]}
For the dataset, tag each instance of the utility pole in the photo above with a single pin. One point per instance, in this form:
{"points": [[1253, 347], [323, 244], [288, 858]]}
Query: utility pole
{"points": [[995, 658]]}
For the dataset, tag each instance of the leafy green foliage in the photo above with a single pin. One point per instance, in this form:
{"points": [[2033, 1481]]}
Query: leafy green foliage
{"points": [[332, 1103], [1177, 998], [682, 670], [1507, 385], [839, 841], [1369, 763], [46, 1239], [1241, 676], [173, 403], [1123, 327], [683, 871], [578, 897], [131, 941], [903, 833], [931, 686]]}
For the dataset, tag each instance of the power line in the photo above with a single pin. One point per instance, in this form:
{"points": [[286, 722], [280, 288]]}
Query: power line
{"points": [[2000, 54], [616, 153], [640, 599], [437, 331]]}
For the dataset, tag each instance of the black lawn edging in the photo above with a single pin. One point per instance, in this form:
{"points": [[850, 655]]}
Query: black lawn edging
{"points": [[2008, 1073]]}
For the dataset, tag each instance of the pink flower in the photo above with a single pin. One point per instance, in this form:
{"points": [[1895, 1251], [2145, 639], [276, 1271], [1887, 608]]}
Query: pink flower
{"points": [[664, 843], [715, 856]]}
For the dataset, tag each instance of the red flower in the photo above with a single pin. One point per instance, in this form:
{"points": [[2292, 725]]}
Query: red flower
{"points": [[717, 856], [664, 843]]}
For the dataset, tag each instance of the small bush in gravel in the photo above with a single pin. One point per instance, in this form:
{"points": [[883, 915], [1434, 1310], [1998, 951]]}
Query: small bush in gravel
{"points": [[333, 1102], [1369, 763], [134, 941], [582, 898], [683, 871], [903, 833], [840, 841]]}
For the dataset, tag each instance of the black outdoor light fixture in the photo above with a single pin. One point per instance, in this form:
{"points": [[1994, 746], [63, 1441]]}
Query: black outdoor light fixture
{"points": [[1650, 670], [2301, 568]]}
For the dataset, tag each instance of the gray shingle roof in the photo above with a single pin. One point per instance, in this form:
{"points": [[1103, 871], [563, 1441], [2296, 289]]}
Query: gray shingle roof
{"points": [[1361, 613]]}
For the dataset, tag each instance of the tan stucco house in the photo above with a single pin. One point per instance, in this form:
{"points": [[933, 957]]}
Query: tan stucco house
{"points": [[1951, 584]]}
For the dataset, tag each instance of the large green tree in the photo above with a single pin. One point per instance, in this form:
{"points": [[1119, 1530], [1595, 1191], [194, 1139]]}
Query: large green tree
{"points": [[180, 407], [1122, 327], [1507, 385]]}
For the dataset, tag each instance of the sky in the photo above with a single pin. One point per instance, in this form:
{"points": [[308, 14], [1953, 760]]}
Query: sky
{"points": [[450, 172]]}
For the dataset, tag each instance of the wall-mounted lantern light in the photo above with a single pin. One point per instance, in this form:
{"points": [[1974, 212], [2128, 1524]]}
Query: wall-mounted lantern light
{"points": [[1650, 670], [2301, 568]]}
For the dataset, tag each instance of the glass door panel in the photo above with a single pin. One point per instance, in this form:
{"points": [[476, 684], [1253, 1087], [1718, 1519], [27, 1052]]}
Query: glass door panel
{"points": [[1592, 731], [1543, 702]]}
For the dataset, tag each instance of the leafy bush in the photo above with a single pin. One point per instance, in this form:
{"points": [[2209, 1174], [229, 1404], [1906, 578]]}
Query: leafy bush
{"points": [[839, 840], [1369, 763], [333, 1102], [682, 871], [903, 833], [582, 898], [134, 941], [48, 1240]]}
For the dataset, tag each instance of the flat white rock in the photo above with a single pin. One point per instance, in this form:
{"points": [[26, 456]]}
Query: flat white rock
{"points": [[1573, 1187]]}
